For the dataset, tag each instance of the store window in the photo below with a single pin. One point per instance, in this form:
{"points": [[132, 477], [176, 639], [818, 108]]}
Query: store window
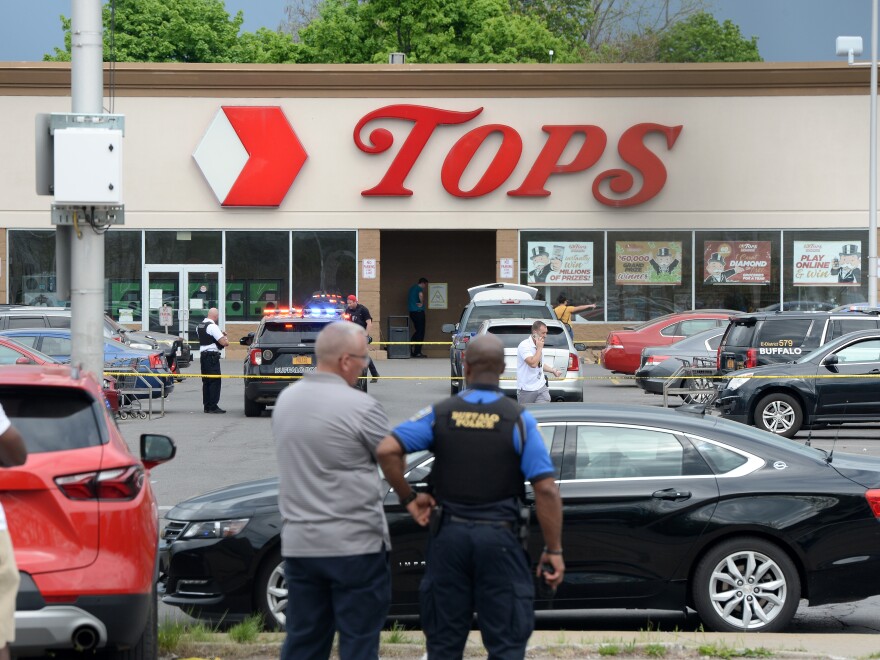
{"points": [[32, 268], [567, 263], [823, 269], [184, 247], [323, 261], [122, 275], [649, 274], [737, 270], [257, 273]]}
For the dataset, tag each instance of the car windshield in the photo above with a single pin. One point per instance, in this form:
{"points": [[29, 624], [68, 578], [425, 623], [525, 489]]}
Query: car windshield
{"points": [[285, 332], [505, 311], [512, 335], [52, 418]]}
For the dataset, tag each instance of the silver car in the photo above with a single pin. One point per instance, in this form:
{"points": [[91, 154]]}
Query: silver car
{"points": [[559, 352]]}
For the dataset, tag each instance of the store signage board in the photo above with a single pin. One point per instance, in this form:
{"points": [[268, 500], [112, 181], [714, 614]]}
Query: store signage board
{"points": [[251, 156]]}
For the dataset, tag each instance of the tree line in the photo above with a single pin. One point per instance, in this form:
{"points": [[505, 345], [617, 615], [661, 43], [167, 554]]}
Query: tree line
{"points": [[426, 31]]}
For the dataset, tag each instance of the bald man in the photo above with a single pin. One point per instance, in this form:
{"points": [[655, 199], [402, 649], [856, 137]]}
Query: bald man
{"points": [[335, 540], [212, 340], [475, 560]]}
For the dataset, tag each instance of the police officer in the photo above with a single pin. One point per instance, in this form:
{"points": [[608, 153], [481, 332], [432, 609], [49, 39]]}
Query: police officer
{"points": [[475, 559], [211, 341], [359, 314]]}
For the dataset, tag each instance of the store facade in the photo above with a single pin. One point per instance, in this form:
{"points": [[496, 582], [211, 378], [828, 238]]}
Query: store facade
{"points": [[645, 189]]}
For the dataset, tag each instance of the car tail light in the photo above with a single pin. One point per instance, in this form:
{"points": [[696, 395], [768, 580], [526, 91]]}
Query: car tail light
{"points": [[119, 339], [656, 359], [613, 341], [118, 484], [155, 361], [574, 364], [256, 357], [718, 359], [873, 497], [751, 358]]}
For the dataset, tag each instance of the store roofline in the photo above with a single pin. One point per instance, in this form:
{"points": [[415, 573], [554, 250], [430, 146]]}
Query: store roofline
{"points": [[450, 81]]}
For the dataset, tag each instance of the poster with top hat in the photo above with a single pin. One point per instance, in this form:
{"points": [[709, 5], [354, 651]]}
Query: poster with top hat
{"points": [[827, 263], [647, 262], [560, 262], [736, 262]]}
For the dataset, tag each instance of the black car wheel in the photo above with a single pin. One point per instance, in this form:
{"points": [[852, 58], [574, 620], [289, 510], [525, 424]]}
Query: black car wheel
{"points": [[746, 585], [455, 384], [252, 408], [270, 591], [700, 383], [147, 646], [779, 413]]}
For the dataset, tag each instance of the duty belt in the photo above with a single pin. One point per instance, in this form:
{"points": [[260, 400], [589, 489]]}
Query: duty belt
{"points": [[495, 523]]}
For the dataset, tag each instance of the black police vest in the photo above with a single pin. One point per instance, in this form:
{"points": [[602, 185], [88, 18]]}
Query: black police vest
{"points": [[204, 338], [476, 461]]}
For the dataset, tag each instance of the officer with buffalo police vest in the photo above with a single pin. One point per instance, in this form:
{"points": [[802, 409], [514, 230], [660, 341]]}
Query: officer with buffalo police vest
{"points": [[485, 447], [211, 341]]}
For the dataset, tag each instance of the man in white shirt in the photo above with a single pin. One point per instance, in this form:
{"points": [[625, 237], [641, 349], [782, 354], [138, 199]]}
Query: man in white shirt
{"points": [[12, 453], [531, 384], [212, 340]]}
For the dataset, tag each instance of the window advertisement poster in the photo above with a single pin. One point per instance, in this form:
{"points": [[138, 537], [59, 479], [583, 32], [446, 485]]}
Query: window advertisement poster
{"points": [[647, 262], [736, 262], [827, 263], [560, 263]]}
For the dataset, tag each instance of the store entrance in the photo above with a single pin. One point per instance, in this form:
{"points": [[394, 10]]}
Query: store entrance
{"points": [[178, 298], [452, 261]]}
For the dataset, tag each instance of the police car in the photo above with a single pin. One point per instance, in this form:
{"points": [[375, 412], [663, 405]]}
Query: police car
{"points": [[282, 350]]}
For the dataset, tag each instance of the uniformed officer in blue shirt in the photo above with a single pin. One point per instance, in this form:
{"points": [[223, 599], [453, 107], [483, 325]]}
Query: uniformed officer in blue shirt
{"points": [[475, 560]]}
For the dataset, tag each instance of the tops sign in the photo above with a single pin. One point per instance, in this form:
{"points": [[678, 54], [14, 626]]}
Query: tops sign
{"points": [[251, 156], [425, 120]]}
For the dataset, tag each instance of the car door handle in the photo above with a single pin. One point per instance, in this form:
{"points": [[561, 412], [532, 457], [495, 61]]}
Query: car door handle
{"points": [[671, 494]]}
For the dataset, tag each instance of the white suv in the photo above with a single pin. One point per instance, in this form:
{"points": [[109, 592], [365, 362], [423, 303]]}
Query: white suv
{"points": [[559, 352]]}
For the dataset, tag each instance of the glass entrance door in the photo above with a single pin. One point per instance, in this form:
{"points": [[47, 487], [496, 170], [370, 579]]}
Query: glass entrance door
{"points": [[178, 299]]}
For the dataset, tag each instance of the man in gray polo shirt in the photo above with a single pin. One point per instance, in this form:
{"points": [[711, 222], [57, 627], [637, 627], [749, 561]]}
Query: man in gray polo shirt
{"points": [[335, 538]]}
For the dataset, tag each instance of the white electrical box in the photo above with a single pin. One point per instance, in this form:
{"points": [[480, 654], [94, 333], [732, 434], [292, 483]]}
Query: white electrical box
{"points": [[88, 166]]}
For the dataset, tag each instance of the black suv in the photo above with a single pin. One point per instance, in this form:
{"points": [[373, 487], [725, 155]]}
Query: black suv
{"points": [[761, 338], [283, 345], [491, 301]]}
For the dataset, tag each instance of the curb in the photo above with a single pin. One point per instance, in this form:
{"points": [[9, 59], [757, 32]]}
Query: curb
{"points": [[549, 644]]}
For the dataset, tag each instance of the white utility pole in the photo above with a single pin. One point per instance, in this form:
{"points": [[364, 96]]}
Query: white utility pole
{"points": [[87, 246]]}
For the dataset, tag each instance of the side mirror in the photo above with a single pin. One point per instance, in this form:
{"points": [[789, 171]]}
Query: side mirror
{"points": [[831, 360], [580, 346], [156, 449], [448, 328], [23, 360], [247, 340]]}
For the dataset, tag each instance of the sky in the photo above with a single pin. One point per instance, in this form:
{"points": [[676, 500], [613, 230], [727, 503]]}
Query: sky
{"points": [[787, 30]]}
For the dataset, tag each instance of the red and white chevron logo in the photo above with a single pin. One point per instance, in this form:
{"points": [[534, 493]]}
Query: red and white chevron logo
{"points": [[250, 156]]}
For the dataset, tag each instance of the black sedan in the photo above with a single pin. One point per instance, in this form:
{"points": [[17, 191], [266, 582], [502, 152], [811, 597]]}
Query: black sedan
{"points": [[660, 363], [838, 383], [662, 510]]}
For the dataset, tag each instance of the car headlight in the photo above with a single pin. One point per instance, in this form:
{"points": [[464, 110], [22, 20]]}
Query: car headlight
{"points": [[739, 381], [215, 529], [145, 347]]}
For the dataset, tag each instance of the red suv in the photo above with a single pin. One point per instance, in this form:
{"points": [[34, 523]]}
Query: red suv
{"points": [[83, 518], [623, 348]]}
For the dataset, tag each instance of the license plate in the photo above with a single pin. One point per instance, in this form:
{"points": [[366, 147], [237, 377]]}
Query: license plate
{"points": [[302, 359], [179, 352], [730, 363], [294, 370]]}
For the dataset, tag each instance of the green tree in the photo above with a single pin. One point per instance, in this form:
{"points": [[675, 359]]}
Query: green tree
{"points": [[428, 31], [180, 31], [702, 39]]}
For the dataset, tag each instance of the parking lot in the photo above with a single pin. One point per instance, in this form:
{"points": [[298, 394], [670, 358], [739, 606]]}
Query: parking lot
{"points": [[219, 450]]}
